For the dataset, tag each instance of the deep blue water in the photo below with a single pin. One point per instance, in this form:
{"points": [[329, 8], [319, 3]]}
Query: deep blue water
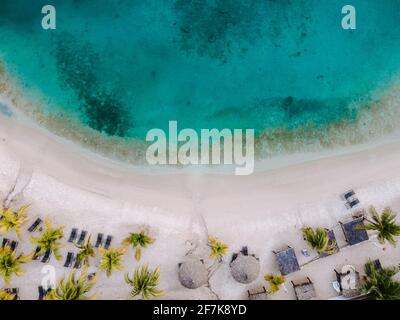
{"points": [[124, 67]]}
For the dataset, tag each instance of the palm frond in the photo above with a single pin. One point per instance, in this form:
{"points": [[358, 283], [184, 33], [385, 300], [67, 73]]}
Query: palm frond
{"points": [[49, 239], [144, 282], [218, 249], [379, 283], [275, 281], [10, 263], [13, 220], [86, 251], [385, 224], [138, 241], [73, 288], [318, 239], [5, 295], [111, 260]]}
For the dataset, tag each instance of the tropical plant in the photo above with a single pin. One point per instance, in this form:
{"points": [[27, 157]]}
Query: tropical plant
{"points": [[144, 283], [11, 220], [385, 224], [318, 239], [379, 283], [111, 260], [275, 281], [49, 239], [86, 251], [73, 288], [5, 295], [138, 241], [218, 249], [10, 263]]}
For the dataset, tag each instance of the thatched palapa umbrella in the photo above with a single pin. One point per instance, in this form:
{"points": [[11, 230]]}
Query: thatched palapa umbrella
{"points": [[245, 268], [192, 273]]}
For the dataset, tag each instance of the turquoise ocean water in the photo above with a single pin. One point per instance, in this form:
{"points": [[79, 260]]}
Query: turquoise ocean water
{"points": [[124, 67]]}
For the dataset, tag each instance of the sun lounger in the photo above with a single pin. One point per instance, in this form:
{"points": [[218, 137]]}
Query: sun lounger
{"points": [[82, 237], [352, 204], [42, 292], [13, 291], [77, 264], [34, 226], [377, 264], [35, 256], [348, 194], [99, 240], [46, 257], [108, 242], [13, 245], [73, 235], [5, 242], [69, 259]]}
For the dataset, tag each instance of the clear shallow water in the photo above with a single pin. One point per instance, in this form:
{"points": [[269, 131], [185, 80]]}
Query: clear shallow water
{"points": [[124, 67]]}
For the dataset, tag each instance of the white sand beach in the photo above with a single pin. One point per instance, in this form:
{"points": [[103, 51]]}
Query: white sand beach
{"points": [[264, 211]]}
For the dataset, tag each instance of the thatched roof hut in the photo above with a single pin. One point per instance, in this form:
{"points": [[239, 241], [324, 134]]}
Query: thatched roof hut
{"points": [[287, 261], [192, 273], [353, 231], [245, 268]]}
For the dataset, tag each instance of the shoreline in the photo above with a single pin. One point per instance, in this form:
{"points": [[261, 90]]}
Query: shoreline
{"points": [[267, 209], [275, 149], [276, 162]]}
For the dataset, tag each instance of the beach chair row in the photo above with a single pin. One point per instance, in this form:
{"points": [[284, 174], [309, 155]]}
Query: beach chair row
{"points": [[73, 238]]}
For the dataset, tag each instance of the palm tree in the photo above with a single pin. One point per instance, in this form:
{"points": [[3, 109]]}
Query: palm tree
{"points": [[49, 239], [10, 263], [275, 281], [379, 283], [144, 282], [318, 239], [138, 241], [111, 260], [385, 224], [5, 295], [218, 249], [11, 220], [72, 288], [85, 252]]}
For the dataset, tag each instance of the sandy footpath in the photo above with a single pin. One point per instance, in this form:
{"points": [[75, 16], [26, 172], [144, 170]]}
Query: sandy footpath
{"points": [[264, 211]]}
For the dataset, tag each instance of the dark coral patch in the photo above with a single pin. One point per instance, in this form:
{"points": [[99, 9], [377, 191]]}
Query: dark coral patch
{"points": [[102, 111]]}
